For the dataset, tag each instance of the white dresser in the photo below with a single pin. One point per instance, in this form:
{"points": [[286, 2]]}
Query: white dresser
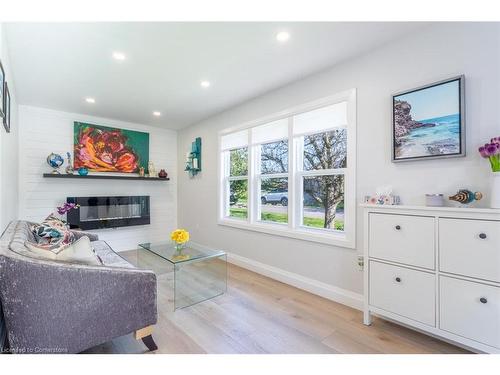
{"points": [[436, 269]]}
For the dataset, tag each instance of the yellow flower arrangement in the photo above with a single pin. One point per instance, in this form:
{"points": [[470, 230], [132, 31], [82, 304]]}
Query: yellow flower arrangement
{"points": [[180, 236]]}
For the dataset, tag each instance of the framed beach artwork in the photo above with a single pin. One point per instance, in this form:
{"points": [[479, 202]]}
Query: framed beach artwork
{"points": [[428, 122], [104, 149]]}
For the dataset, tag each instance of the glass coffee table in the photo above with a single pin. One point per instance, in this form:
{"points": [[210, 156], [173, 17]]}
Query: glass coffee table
{"points": [[199, 273]]}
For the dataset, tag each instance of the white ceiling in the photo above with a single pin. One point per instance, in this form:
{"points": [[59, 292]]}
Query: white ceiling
{"points": [[58, 65]]}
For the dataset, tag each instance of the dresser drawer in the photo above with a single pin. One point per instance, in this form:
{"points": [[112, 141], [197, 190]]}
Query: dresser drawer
{"points": [[402, 239], [470, 309], [403, 291], [470, 248]]}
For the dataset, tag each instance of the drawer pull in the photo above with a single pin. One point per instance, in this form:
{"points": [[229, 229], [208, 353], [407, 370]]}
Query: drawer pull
{"points": [[483, 300], [398, 227], [398, 279], [482, 236]]}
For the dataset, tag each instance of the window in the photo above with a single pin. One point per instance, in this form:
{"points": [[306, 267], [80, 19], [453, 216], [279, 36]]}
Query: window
{"points": [[238, 182], [293, 173]]}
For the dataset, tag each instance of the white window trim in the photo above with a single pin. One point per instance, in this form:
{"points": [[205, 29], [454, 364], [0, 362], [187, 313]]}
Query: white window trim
{"points": [[292, 229]]}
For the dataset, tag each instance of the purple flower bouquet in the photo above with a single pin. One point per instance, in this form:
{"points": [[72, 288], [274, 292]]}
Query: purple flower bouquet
{"points": [[66, 207], [491, 151]]}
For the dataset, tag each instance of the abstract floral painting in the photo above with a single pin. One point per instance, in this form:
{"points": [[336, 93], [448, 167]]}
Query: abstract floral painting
{"points": [[428, 122], [105, 149]]}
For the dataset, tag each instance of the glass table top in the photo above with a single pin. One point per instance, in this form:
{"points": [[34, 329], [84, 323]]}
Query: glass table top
{"points": [[167, 251]]}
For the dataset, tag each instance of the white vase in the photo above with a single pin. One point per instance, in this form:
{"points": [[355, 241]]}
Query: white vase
{"points": [[495, 190]]}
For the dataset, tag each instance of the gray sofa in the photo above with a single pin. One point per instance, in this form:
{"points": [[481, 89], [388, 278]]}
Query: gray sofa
{"points": [[56, 307]]}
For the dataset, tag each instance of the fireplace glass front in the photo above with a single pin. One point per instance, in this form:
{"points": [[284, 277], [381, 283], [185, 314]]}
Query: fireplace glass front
{"points": [[109, 212]]}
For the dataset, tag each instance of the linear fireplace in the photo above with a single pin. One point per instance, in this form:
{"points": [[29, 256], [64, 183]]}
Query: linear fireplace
{"points": [[109, 212]]}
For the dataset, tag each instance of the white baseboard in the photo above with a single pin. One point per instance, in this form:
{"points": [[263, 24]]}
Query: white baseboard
{"points": [[343, 296]]}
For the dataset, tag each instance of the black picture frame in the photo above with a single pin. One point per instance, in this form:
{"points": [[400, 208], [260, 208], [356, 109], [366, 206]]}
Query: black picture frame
{"points": [[6, 108], [2, 89], [436, 149]]}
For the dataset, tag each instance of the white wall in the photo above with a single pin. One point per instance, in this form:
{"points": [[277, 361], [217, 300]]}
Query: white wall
{"points": [[435, 53], [44, 131], [8, 148]]}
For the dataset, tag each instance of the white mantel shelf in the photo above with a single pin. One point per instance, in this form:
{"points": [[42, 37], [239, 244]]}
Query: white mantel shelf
{"points": [[464, 210]]}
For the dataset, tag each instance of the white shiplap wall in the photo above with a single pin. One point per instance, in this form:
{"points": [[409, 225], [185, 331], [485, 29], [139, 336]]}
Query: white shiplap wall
{"points": [[44, 131]]}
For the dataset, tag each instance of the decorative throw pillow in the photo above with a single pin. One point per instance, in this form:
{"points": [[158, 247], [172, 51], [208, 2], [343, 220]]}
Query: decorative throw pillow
{"points": [[53, 232], [80, 252]]}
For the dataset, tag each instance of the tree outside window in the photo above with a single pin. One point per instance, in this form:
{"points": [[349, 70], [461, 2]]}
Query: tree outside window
{"points": [[238, 183], [323, 196]]}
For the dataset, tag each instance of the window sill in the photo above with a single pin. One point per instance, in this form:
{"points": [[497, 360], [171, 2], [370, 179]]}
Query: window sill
{"points": [[334, 239]]}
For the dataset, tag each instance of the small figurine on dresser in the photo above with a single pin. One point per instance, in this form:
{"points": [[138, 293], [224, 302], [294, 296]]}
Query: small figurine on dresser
{"points": [[383, 196], [465, 196]]}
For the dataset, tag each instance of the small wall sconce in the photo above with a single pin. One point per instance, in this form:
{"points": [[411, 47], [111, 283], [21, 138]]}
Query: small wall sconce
{"points": [[193, 158]]}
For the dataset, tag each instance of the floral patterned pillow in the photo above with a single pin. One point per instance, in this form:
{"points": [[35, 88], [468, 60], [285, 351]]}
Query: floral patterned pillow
{"points": [[53, 232]]}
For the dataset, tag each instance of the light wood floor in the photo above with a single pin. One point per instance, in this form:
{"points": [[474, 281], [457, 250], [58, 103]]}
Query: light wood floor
{"points": [[261, 315]]}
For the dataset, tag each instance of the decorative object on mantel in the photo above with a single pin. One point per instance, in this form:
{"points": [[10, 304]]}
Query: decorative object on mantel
{"points": [[465, 196], [69, 167], [105, 149], [141, 171], [383, 196], [82, 171], [6, 108], [491, 151], [162, 174], [428, 122], [434, 200], [151, 169], [55, 161], [193, 158]]}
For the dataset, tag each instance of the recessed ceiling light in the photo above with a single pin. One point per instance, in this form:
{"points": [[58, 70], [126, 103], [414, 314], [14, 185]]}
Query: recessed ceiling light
{"points": [[90, 100], [205, 84], [157, 114], [119, 56], [282, 36]]}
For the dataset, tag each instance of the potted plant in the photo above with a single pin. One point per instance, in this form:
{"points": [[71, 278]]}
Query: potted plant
{"points": [[491, 151]]}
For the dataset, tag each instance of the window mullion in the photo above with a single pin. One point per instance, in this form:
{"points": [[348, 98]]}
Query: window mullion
{"points": [[225, 184], [273, 175], [251, 204], [299, 182], [324, 172], [293, 166]]}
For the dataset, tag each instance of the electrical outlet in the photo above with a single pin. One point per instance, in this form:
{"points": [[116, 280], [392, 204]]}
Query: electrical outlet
{"points": [[361, 262]]}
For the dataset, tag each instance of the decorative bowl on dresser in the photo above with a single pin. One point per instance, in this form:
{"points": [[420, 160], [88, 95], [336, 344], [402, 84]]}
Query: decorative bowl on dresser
{"points": [[436, 269]]}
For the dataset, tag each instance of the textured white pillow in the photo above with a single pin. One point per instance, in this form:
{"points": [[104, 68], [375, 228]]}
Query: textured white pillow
{"points": [[80, 251]]}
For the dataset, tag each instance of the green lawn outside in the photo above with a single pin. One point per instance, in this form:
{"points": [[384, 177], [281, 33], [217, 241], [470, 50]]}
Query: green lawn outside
{"points": [[283, 218], [238, 212], [277, 218]]}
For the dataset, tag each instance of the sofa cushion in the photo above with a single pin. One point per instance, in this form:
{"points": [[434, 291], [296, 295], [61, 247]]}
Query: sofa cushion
{"points": [[79, 252], [53, 231], [17, 234], [108, 256]]}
